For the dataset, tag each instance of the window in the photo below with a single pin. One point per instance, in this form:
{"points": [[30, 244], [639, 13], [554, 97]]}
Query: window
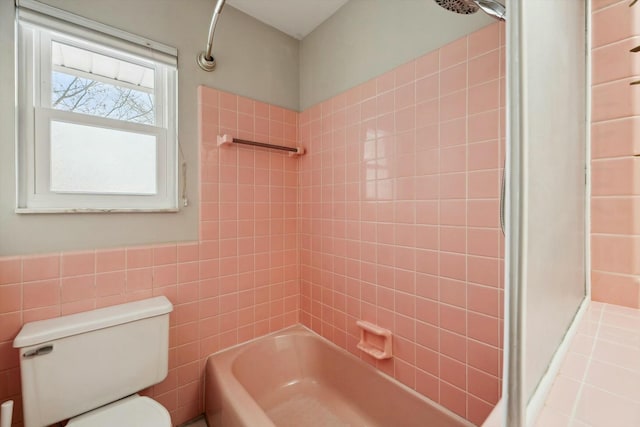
{"points": [[97, 116]]}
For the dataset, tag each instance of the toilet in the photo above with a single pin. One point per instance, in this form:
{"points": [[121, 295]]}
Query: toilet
{"points": [[87, 367]]}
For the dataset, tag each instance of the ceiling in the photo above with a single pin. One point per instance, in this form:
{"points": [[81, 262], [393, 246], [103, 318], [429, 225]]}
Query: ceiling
{"points": [[296, 18]]}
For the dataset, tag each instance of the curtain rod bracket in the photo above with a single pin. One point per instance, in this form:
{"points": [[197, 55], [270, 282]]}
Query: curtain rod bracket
{"points": [[205, 59], [207, 64]]}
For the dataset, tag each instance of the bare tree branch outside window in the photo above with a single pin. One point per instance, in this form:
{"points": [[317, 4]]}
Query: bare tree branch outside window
{"points": [[81, 95]]}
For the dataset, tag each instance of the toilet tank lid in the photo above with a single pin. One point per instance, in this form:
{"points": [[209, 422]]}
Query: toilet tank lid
{"points": [[42, 331]]}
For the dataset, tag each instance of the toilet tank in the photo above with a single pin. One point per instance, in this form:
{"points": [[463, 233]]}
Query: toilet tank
{"points": [[73, 364]]}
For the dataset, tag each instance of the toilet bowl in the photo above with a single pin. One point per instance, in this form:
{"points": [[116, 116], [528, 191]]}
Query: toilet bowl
{"points": [[86, 367]]}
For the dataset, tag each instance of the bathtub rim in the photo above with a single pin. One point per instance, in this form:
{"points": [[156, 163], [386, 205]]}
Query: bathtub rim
{"points": [[229, 354]]}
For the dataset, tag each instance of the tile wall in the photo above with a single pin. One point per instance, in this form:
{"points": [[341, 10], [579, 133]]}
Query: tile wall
{"points": [[239, 281], [391, 217], [399, 219], [615, 144]]}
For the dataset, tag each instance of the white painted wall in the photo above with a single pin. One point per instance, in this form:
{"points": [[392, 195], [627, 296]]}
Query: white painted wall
{"points": [[253, 59]]}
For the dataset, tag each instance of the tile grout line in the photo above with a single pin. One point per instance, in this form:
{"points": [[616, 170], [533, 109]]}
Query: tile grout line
{"points": [[576, 401]]}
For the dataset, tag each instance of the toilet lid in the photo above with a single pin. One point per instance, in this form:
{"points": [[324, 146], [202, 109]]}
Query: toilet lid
{"points": [[133, 411]]}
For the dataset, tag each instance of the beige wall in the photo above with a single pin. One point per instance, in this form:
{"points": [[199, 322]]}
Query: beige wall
{"points": [[254, 60], [366, 38]]}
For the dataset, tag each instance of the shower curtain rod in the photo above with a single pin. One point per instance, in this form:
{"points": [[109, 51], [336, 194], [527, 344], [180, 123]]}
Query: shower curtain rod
{"points": [[228, 140], [205, 60]]}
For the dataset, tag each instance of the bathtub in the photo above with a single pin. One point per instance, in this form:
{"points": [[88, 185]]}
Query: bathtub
{"points": [[297, 378]]}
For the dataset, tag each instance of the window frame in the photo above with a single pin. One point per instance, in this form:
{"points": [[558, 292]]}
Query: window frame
{"points": [[36, 30]]}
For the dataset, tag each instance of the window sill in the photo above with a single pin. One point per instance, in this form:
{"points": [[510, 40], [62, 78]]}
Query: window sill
{"points": [[90, 211]]}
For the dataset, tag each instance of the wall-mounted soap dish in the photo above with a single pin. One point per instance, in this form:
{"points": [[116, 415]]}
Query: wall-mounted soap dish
{"points": [[374, 340]]}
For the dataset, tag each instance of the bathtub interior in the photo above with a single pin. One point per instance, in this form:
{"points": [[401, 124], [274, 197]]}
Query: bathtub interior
{"points": [[297, 378], [294, 382]]}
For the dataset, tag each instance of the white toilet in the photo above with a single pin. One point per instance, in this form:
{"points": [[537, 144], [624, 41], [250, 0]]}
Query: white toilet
{"points": [[89, 365]]}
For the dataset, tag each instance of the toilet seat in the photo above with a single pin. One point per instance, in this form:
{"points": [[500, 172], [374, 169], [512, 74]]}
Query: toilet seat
{"points": [[133, 411]]}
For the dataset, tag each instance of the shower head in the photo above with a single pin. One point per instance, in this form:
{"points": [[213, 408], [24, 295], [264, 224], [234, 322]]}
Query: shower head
{"points": [[466, 7]]}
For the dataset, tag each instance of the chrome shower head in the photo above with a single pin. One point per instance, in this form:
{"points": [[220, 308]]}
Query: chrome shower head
{"points": [[466, 7]]}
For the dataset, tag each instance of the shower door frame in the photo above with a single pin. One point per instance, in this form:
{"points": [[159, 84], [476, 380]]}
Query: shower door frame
{"points": [[518, 411]]}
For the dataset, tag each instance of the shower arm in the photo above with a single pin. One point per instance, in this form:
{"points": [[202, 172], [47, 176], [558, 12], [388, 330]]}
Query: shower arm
{"points": [[205, 60], [492, 8]]}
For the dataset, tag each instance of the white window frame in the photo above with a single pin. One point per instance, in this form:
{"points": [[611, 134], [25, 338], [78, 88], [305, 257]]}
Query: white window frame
{"points": [[37, 26]]}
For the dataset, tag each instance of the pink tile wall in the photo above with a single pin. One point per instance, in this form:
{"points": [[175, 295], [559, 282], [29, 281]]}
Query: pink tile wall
{"points": [[615, 203], [249, 212], [239, 281], [392, 217], [399, 219]]}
